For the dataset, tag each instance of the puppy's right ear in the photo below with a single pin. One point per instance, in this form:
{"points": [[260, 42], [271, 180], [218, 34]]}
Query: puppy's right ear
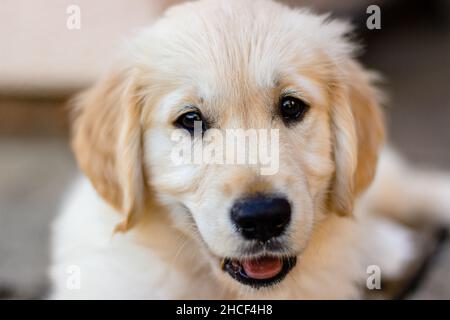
{"points": [[107, 143], [357, 121]]}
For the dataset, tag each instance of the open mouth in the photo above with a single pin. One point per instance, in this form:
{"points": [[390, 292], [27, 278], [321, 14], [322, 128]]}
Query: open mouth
{"points": [[259, 272]]}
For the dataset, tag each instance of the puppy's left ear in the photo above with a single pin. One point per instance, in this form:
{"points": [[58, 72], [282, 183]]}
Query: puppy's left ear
{"points": [[107, 143], [357, 122]]}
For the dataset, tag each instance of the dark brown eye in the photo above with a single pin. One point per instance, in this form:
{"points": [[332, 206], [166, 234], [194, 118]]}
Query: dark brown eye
{"points": [[292, 109], [187, 120]]}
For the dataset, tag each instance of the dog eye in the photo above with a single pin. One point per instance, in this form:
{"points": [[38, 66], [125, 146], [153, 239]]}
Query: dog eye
{"points": [[187, 121], [292, 109]]}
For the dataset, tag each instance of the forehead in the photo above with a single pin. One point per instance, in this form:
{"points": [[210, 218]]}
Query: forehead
{"points": [[235, 49]]}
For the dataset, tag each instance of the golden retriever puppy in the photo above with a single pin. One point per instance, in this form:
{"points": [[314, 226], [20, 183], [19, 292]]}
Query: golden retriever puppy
{"points": [[145, 226]]}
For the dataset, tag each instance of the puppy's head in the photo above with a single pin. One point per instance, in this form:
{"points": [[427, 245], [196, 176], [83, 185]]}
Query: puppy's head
{"points": [[213, 66]]}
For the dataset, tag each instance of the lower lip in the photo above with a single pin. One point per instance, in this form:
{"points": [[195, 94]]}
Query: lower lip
{"points": [[258, 275]]}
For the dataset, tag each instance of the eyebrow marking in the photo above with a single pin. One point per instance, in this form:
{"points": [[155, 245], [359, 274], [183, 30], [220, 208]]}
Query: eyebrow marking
{"points": [[311, 90]]}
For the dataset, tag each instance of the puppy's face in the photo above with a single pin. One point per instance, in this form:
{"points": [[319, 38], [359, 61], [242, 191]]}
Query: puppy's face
{"points": [[240, 211], [210, 67]]}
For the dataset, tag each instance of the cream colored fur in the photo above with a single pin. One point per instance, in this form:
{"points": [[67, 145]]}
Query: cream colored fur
{"points": [[143, 228]]}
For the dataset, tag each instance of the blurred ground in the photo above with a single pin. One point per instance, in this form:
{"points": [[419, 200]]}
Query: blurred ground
{"points": [[33, 176], [413, 56]]}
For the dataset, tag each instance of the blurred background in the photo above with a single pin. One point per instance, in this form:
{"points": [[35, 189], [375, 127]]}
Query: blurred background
{"points": [[43, 63]]}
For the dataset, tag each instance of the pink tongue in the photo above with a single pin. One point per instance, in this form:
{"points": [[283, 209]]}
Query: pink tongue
{"points": [[263, 268]]}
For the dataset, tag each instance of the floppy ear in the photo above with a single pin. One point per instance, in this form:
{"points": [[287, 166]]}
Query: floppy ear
{"points": [[107, 143], [357, 122]]}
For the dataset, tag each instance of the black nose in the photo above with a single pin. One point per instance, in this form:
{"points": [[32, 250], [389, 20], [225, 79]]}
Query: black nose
{"points": [[262, 217]]}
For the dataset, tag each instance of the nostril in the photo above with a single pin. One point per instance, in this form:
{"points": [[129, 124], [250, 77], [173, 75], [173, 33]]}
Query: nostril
{"points": [[280, 222], [248, 231], [246, 225], [262, 217]]}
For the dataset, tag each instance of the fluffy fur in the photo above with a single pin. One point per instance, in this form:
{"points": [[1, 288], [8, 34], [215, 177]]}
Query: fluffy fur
{"points": [[144, 228]]}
